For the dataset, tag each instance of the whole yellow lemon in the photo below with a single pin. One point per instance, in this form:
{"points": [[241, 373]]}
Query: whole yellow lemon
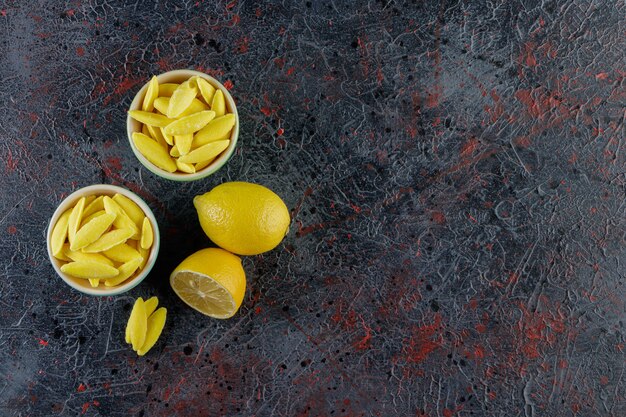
{"points": [[243, 218]]}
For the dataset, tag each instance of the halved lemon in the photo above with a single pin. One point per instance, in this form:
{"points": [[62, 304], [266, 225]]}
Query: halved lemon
{"points": [[211, 281]]}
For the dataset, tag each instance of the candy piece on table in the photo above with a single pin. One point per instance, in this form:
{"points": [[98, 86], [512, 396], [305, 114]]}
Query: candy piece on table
{"points": [[147, 235], [181, 99], [150, 118], [151, 94], [163, 103], [206, 90], [88, 257], [155, 325], [122, 221], [218, 105], [92, 231], [137, 324], [122, 253], [201, 165], [59, 233], [108, 240], [75, 219], [153, 152], [208, 151], [126, 270], [190, 124], [183, 143], [151, 304], [89, 269], [93, 207], [216, 129], [167, 89], [183, 167]]}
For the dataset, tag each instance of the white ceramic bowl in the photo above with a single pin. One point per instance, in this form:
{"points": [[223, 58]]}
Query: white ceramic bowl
{"points": [[178, 76], [83, 285]]}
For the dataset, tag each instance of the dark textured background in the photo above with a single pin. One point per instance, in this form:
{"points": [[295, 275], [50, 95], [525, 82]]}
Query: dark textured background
{"points": [[455, 173]]}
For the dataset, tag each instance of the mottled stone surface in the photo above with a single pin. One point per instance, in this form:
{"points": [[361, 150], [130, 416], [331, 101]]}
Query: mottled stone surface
{"points": [[455, 173]]}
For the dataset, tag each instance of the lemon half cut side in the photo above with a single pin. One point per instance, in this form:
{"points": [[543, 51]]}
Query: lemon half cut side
{"points": [[211, 281]]}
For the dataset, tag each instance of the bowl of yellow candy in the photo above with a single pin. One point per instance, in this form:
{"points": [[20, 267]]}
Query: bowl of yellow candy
{"points": [[103, 240], [183, 125]]}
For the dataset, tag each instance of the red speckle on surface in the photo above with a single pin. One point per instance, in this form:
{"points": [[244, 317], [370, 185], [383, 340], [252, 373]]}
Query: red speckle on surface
{"points": [[291, 70], [479, 352], [3, 13], [11, 230], [176, 27], [527, 57], [115, 163], [243, 45], [447, 412], [11, 162], [163, 64], [81, 388], [43, 342], [280, 62], [123, 87], [266, 111], [228, 85], [539, 329], [469, 147], [423, 341], [602, 76], [432, 99], [365, 342], [98, 89], [235, 20], [522, 141], [480, 328], [80, 51], [604, 380], [438, 217], [280, 131]]}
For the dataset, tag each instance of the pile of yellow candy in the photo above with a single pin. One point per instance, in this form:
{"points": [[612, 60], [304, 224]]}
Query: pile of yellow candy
{"points": [[185, 126], [102, 239], [145, 325]]}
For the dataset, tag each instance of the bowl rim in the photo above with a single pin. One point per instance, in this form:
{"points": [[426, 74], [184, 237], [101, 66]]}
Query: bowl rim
{"points": [[104, 189], [213, 166]]}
